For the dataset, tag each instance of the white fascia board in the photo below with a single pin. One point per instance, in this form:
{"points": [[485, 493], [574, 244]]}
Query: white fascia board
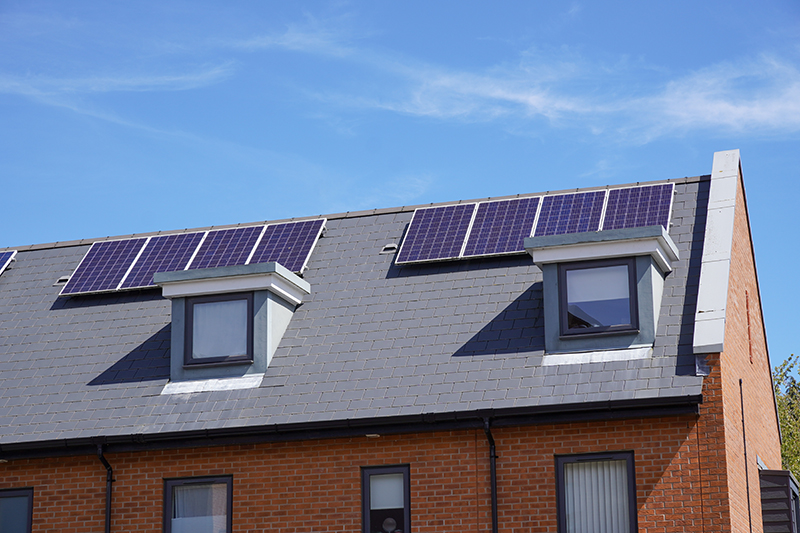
{"points": [[664, 252], [277, 280], [712, 296]]}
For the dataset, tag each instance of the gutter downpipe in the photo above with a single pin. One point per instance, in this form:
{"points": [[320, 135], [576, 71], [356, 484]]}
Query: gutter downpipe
{"points": [[744, 445], [493, 472], [109, 481]]}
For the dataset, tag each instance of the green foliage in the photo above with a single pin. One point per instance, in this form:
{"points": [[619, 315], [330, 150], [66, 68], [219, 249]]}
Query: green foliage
{"points": [[787, 394]]}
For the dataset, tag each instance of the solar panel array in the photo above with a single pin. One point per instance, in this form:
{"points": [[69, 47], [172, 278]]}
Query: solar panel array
{"points": [[6, 258], [500, 227], [130, 263]]}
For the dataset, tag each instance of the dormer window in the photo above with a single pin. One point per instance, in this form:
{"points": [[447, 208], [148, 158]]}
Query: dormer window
{"points": [[219, 329], [602, 292], [227, 323], [598, 297]]}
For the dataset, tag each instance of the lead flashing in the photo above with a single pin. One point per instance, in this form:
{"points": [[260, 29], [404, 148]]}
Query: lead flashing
{"points": [[712, 297]]}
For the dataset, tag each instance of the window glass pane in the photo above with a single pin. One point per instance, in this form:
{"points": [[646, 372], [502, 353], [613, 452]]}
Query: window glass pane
{"points": [[14, 514], [220, 329], [598, 297], [387, 513], [386, 491], [200, 508], [596, 497]]}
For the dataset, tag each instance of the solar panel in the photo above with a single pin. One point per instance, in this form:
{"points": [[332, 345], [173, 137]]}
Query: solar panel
{"points": [[636, 207], [226, 247], [501, 227], [289, 244], [165, 253], [6, 258], [436, 233], [103, 266], [570, 213]]}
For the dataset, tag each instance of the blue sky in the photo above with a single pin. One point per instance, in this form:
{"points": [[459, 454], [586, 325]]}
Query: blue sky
{"points": [[124, 117]]}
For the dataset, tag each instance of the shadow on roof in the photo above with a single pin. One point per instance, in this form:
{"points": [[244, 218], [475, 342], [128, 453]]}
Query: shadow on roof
{"points": [[518, 328], [147, 362], [109, 298], [457, 265]]}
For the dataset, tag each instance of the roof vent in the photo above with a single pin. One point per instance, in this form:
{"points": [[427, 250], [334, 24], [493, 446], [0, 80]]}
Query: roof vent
{"points": [[389, 248], [62, 280]]}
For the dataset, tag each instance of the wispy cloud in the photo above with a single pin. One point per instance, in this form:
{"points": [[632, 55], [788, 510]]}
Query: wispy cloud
{"points": [[45, 85], [753, 96]]}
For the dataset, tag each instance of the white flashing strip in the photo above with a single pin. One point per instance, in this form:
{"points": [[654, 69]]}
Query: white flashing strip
{"points": [[577, 358], [211, 385], [662, 251], [712, 297]]}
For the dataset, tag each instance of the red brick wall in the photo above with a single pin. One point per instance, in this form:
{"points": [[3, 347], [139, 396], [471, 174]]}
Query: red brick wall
{"points": [[285, 487], [742, 341]]}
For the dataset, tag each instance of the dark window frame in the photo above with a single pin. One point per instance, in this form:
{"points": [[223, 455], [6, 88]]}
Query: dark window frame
{"points": [[16, 493], [171, 483], [366, 472], [561, 460], [633, 297], [188, 360]]}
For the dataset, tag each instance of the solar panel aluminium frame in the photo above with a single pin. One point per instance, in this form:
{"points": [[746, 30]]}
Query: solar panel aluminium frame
{"points": [[4, 263], [641, 186], [436, 259], [464, 255], [89, 252], [319, 234]]}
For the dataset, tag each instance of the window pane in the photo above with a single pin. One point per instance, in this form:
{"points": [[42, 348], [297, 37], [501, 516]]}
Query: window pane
{"points": [[14, 514], [220, 329], [598, 297], [200, 508], [596, 497], [387, 503], [386, 491]]}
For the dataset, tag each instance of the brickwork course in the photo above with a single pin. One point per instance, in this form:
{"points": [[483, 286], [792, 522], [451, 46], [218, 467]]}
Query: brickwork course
{"points": [[387, 364]]}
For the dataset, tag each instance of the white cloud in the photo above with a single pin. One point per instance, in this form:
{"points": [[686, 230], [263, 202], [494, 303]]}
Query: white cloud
{"points": [[753, 96], [44, 85]]}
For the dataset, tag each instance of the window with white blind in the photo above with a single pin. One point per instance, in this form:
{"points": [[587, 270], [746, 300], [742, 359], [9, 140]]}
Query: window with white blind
{"points": [[198, 505], [596, 493], [385, 498]]}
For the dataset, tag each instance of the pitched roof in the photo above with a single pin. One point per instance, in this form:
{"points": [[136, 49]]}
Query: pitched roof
{"points": [[374, 342]]}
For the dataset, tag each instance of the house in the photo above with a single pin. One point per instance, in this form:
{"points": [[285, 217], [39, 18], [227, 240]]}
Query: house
{"points": [[583, 360]]}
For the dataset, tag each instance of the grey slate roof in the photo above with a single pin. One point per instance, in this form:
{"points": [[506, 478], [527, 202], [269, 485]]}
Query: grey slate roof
{"points": [[373, 340]]}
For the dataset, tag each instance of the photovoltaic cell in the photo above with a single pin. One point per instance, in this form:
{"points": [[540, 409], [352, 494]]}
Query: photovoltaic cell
{"points": [[637, 207], [570, 213], [289, 244], [165, 253], [103, 266], [501, 227], [436, 233], [226, 247], [5, 259]]}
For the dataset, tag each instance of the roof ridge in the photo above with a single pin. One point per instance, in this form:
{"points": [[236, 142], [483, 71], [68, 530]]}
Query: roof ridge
{"points": [[344, 215]]}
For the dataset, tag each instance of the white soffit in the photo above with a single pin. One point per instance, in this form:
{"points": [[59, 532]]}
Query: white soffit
{"points": [[712, 297]]}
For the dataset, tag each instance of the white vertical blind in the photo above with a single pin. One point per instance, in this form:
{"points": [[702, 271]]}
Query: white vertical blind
{"points": [[596, 499]]}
